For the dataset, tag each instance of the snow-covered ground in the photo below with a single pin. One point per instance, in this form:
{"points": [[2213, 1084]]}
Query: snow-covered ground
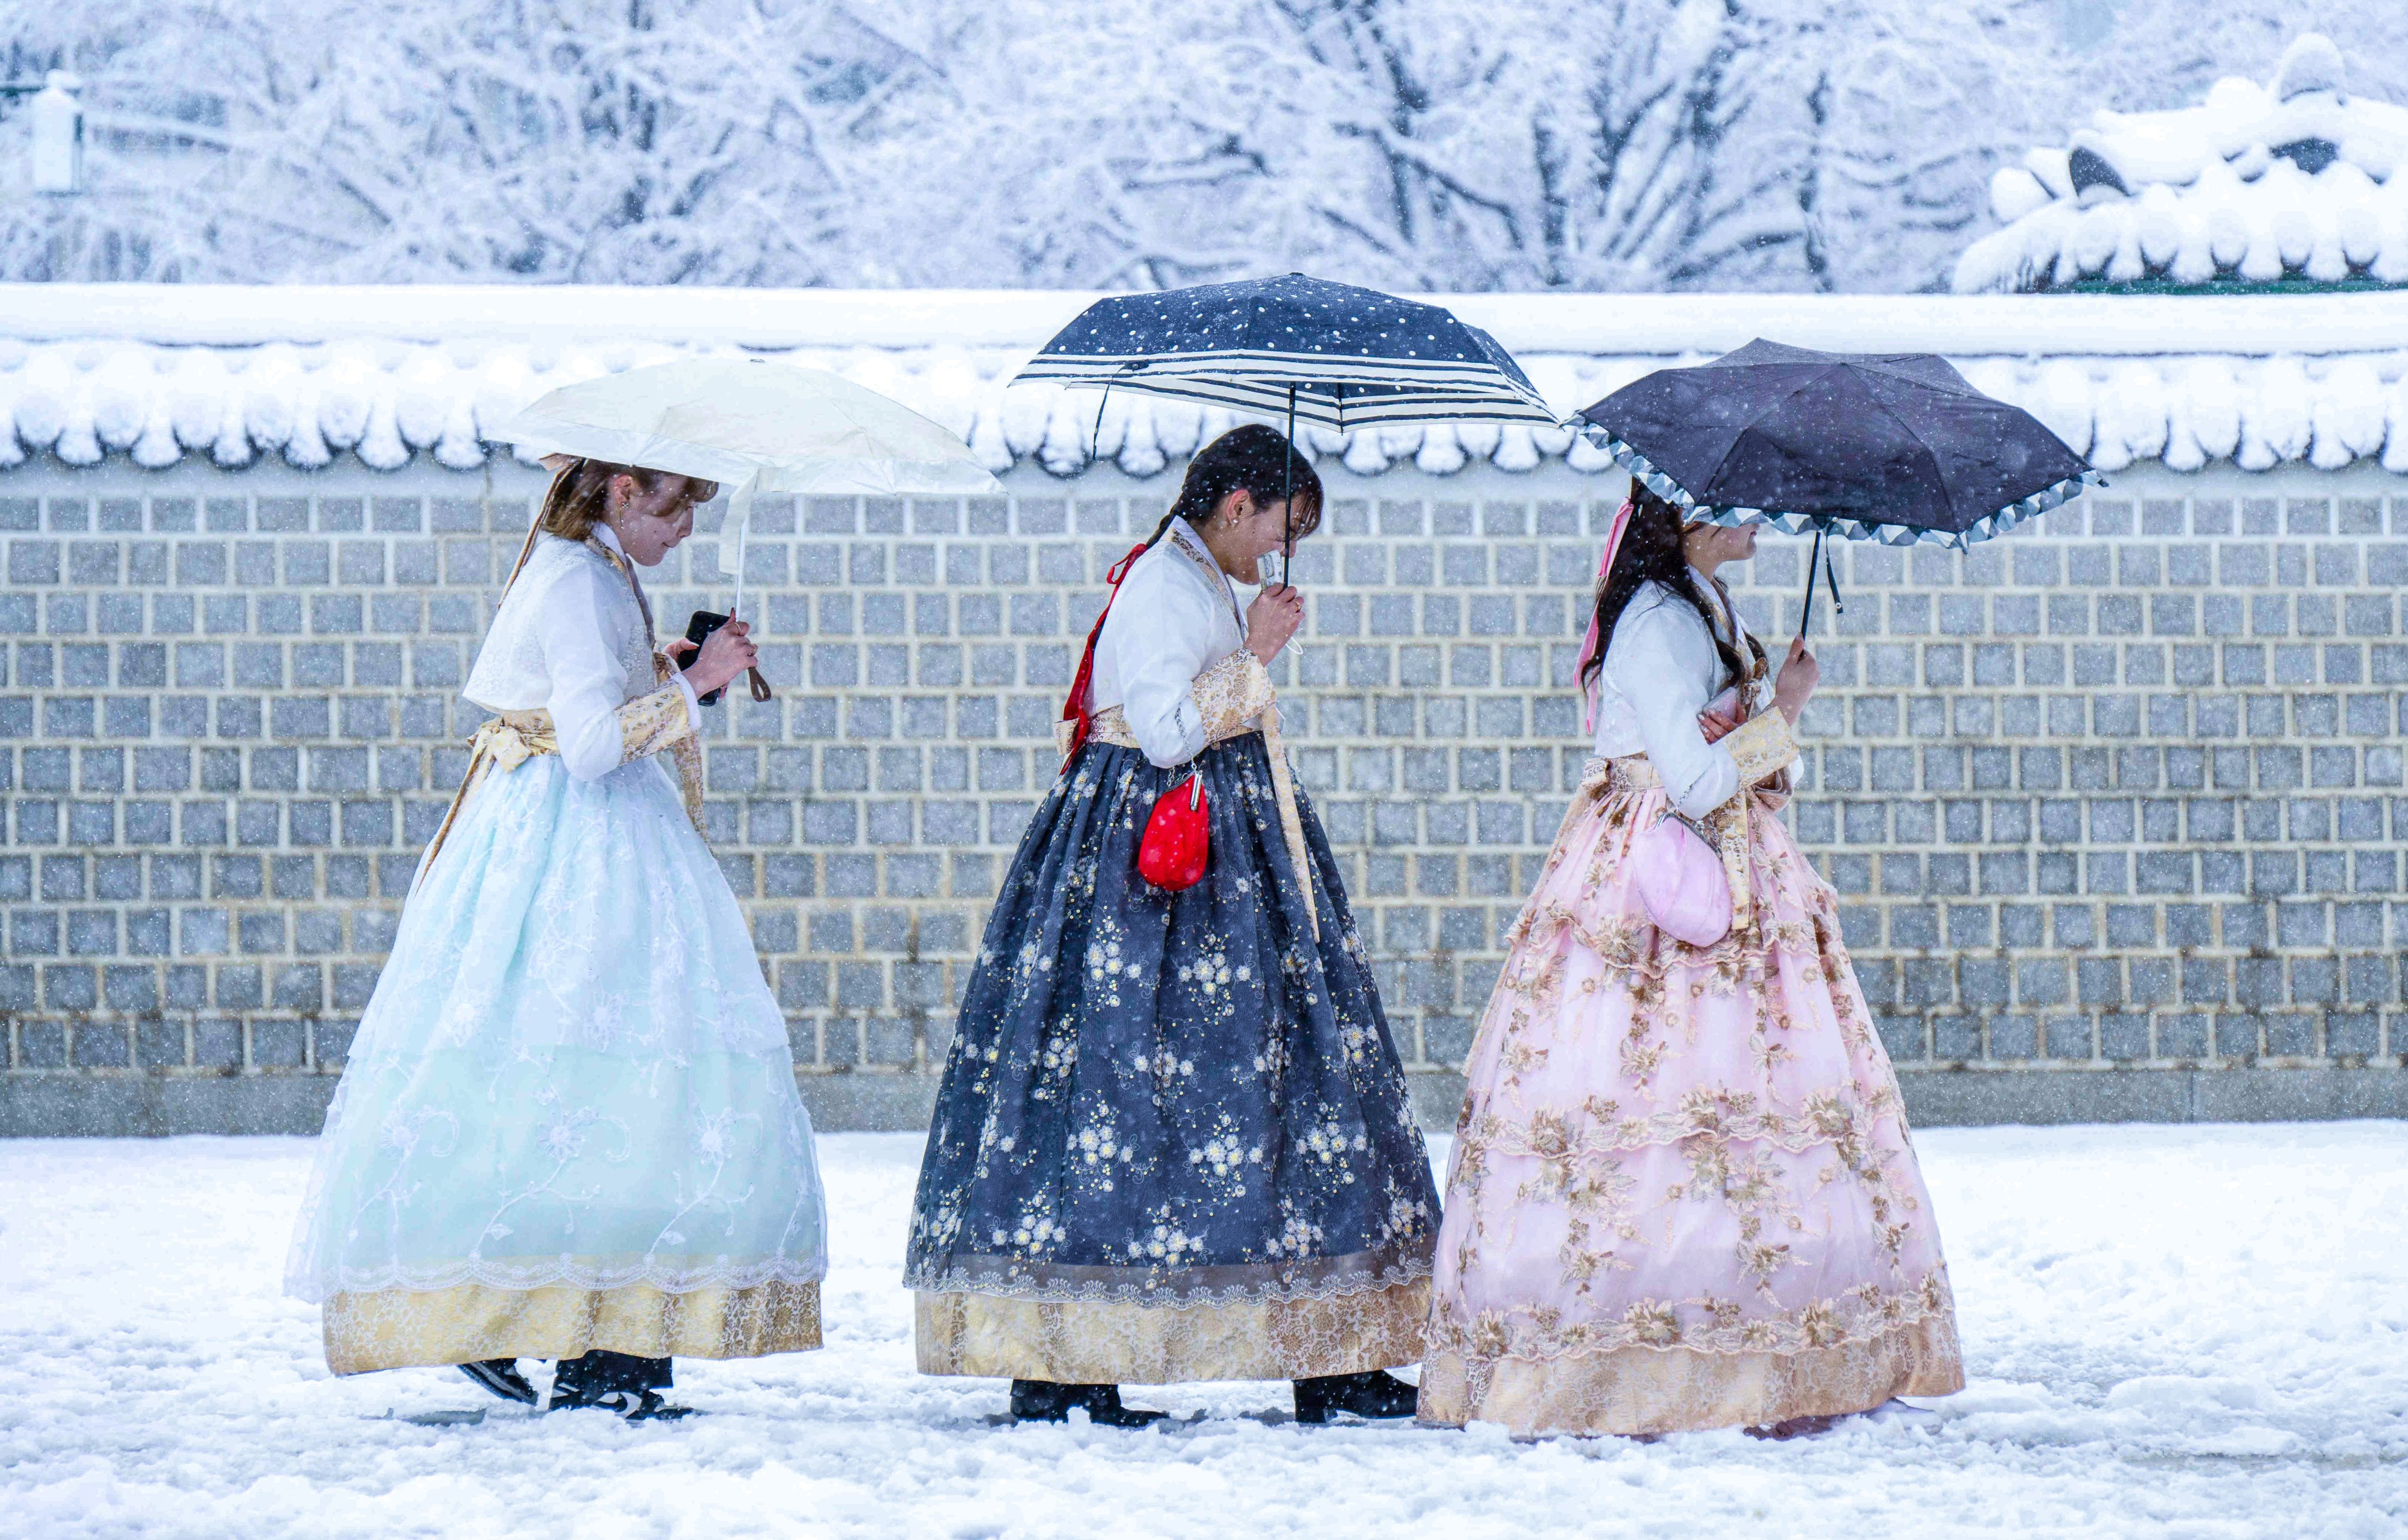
{"points": [[2192, 1331]]}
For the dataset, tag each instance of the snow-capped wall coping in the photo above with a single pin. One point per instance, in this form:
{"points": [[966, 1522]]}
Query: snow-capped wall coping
{"points": [[2296, 179], [158, 373]]}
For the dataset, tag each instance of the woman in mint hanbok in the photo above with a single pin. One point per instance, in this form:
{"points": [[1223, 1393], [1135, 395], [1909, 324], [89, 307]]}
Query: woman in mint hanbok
{"points": [[569, 1128]]}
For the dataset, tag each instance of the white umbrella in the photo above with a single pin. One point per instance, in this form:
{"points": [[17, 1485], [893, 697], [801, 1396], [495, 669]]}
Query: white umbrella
{"points": [[751, 426]]}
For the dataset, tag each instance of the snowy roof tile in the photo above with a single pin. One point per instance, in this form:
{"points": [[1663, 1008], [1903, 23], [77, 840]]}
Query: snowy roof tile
{"points": [[2293, 180], [161, 374]]}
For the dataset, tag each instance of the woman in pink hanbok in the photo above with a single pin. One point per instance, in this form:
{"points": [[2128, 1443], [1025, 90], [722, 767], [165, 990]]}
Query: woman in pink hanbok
{"points": [[1681, 1193]]}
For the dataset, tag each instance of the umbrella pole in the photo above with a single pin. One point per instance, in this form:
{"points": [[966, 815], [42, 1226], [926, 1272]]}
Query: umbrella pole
{"points": [[1807, 620], [739, 507], [1287, 502]]}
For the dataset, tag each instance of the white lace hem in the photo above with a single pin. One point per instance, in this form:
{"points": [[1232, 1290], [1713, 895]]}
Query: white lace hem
{"points": [[559, 1272]]}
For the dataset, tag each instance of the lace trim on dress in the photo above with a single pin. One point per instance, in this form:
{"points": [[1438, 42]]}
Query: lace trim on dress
{"points": [[1837, 1118], [1312, 1278], [1701, 1325], [669, 1275], [1635, 1390], [395, 1329], [1133, 1344]]}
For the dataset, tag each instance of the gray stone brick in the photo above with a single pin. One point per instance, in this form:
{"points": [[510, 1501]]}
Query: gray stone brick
{"points": [[2131, 704]]}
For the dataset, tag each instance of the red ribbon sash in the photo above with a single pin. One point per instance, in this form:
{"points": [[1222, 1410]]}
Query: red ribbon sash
{"points": [[1074, 710]]}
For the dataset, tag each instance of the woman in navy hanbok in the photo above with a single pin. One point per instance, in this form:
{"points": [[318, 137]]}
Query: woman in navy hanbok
{"points": [[1173, 1141]]}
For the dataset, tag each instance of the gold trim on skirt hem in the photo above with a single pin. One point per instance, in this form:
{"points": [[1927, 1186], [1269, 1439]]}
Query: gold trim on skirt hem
{"points": [[1111, 1342], [399, 1328], [1633, 1390]]}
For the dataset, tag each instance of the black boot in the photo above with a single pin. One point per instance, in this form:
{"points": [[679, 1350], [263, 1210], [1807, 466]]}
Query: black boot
{"points": [[1374, 1394], [616, 1382], [1048, 1401], [502, 1378]]}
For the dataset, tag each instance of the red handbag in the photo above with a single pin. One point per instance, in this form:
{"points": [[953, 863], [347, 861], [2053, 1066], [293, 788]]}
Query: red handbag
{"points": [[1178, 838]]}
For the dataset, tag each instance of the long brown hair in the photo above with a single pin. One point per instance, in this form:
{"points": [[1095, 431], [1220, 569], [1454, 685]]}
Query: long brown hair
{"points": [[580, 495], [1651, 553], [579, 498]]}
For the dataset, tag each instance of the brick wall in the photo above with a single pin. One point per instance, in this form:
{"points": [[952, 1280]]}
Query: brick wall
{"points": [[2115, 805]]}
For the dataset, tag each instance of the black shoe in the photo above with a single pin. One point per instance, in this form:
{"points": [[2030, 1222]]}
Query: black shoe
{"points": [[502, 1378], [641, 1406], [1376, 1394], [616, 1382], [1047, 1401]]}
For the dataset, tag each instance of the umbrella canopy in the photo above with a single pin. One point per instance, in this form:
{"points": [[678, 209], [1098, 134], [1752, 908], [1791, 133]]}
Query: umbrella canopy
{"points": [[1891, 447], [1324, 352], [752, 426]]}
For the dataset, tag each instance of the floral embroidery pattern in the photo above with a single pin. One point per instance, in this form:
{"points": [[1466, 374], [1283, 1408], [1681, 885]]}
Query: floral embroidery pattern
{"points": [[1675, 1147], [571, 1071], [651, 723], [1230, 694], [1170, 1098]]}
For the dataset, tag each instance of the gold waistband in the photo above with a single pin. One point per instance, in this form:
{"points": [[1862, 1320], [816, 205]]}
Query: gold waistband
{"points": [[1110, 727], [514, 737], [504, 744], [1633, 770]]}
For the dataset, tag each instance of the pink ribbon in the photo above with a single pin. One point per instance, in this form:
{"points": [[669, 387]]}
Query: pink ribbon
{"points": [[1591, 644]]}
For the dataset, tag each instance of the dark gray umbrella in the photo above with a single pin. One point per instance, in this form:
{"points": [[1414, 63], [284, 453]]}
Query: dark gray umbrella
{"points": [[1891, 447]]}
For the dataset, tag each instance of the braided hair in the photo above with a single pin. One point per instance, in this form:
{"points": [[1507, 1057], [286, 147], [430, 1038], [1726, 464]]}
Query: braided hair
{"points": [[1651, 553], [1253, 458]]}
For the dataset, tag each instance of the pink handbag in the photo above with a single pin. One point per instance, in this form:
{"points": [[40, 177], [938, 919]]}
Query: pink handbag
{"points": [[1681, 880]]}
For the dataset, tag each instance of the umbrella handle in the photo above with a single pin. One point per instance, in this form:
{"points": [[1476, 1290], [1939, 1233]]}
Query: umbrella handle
{"points": [[1830, 580]]}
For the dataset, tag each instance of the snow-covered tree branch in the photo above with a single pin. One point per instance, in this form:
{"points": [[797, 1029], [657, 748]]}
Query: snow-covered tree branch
{"points": [[1440, 144]]}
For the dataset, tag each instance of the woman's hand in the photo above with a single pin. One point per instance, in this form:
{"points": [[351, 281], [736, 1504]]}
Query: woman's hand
{"points": [[1271, 620], [1800, 675], [724, 657]]}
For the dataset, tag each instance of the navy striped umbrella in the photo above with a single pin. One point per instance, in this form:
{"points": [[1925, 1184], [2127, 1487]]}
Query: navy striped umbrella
{"points": [[1324, 352], [1898, 448]]}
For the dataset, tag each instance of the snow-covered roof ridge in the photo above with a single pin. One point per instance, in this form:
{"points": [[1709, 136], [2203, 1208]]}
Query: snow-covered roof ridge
{"points": [[2293, 179], [161, 373]]}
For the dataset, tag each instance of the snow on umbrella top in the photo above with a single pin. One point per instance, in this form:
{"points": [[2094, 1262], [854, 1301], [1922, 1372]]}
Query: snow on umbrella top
{"points": [[1327, 353], [1891, 447]]}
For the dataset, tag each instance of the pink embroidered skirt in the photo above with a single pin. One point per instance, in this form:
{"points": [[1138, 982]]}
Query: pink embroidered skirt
{"points": [[1682, 1194]]}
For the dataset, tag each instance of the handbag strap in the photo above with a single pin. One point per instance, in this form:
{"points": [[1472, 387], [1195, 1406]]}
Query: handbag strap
{"points": [[1074, 710]]}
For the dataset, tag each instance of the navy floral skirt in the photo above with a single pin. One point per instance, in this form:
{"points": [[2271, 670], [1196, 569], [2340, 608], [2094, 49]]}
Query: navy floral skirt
{"points": [[1173, 1140]]}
